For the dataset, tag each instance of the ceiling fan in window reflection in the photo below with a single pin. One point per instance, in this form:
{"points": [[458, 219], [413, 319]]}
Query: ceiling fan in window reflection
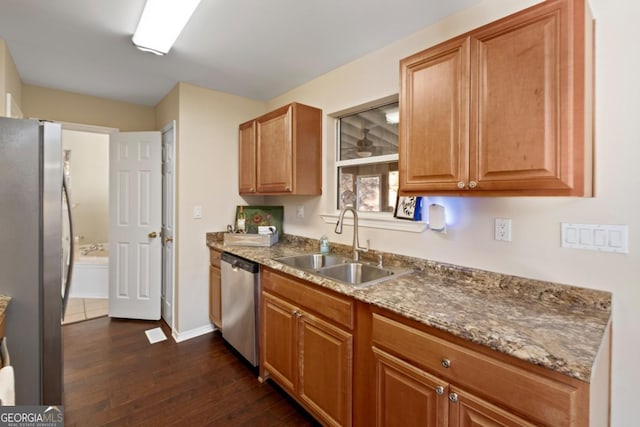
{"points": [[365, 146]]}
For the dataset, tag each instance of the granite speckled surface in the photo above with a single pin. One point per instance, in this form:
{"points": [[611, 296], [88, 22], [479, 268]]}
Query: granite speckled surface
{"points": [[4, 302], [556, 326]]}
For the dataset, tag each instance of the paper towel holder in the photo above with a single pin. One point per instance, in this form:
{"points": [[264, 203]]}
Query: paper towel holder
{"points": [[437, 218]]}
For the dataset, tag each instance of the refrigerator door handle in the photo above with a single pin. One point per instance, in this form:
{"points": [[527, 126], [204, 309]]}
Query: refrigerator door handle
{"points": [[67, 284]]}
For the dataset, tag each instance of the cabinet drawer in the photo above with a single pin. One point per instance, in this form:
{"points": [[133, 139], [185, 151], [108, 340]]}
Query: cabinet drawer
{"points": [[214, 257], [536, 397], [333, 307]]}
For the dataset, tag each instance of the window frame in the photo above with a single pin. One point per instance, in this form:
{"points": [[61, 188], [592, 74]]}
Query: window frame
{"points": [[379, 220]]}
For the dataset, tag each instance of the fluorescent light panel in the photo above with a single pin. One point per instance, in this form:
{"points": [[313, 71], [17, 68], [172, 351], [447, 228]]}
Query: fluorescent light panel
{"points": [[161, 23]]}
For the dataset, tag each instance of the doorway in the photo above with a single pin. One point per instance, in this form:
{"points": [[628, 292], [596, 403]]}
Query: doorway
{"points": [[93, 243], [86, 169], [168, 222]]}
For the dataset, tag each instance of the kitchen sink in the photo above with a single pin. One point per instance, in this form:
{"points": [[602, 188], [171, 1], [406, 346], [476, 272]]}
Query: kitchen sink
{"points": [[340, 269], [312, 261]]}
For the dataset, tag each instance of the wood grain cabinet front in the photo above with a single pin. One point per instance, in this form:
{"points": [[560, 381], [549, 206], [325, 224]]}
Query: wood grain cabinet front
{"points": [[502, 110], [305, 352], [281, 152], [453, 385], [215, 296]]}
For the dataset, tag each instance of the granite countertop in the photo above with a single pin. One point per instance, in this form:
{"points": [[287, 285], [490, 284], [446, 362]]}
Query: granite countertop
{"points": [[556, 326], [4, 302]]}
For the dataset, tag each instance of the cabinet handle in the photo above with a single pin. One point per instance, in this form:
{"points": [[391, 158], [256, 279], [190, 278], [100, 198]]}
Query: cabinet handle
{"points": [[453, 397], [473, 184], [446, 363], [440, 390], [460, 185]]}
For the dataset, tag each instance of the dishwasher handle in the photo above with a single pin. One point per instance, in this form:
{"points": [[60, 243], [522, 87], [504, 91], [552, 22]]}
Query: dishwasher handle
{"points": [[237, 262]]}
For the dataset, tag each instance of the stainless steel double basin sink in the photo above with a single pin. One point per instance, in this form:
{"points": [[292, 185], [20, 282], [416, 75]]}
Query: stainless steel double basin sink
{"points": [[340, 269]]}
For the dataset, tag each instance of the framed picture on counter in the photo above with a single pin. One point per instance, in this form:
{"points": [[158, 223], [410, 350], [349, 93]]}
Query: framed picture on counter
{"points": [[409, 208]]}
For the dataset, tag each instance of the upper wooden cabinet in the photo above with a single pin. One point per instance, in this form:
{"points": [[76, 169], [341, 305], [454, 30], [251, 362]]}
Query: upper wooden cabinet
{"points": [[281, 152], [503, 110], [247, 157]]}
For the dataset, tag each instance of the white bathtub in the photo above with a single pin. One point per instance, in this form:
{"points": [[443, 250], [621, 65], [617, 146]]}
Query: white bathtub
{"points": [[90, 277]]}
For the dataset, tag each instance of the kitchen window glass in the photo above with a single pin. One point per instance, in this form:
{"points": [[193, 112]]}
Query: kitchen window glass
{"points": [[367, 162]]}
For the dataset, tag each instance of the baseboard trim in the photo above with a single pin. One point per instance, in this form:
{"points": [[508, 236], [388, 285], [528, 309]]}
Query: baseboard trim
{"points": [[192, 333]]}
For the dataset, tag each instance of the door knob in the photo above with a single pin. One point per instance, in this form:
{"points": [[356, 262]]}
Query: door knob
{"points": [[153, 235], [168, 239]]}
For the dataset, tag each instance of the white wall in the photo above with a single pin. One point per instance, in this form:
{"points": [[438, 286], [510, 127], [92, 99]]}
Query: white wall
{"points": [[535, 250], [207, 176], [89, 189]]}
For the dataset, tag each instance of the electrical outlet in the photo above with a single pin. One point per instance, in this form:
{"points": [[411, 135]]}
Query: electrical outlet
{"points": [[502, 229], [300, 211]]}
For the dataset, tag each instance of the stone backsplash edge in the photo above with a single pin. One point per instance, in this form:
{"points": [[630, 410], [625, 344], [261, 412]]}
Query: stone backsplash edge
{"points": [[543, 291]]}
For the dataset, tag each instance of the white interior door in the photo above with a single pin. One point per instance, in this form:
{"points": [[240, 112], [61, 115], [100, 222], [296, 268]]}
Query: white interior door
{"points": [[168, 191], [135, 190]]}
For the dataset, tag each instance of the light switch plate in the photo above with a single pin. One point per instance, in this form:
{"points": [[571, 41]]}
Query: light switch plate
{"points": [[595, 237], [197, 212]]}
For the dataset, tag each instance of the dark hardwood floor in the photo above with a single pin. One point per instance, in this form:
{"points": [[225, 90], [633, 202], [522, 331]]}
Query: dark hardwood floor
{"points": [[114, 377]]}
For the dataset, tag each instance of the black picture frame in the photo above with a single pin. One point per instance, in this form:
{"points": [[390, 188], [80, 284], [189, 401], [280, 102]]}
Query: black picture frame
{"points": [[409, 208]]}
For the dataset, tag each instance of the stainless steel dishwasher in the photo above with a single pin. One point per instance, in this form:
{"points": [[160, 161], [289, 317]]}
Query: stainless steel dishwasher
{"points": [[241, 305]]}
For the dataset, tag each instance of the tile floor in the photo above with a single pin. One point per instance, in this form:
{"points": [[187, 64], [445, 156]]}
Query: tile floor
{"points": [[79, 309]]}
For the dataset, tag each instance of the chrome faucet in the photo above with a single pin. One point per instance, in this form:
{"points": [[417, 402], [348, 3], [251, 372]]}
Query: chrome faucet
{"points": [[356, 242]]}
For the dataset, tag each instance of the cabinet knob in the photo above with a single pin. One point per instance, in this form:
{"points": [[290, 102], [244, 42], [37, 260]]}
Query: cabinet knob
{"points": [[252, 190], [287, 188], [446, 363], [297, 314], [440, 390], [460, 185], [473, 184], [453, 397]]}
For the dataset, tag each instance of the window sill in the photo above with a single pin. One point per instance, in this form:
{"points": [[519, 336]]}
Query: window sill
{"points": [[381, 221]]}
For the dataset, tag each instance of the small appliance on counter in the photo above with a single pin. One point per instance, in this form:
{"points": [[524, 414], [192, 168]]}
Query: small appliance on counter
{"points": [[262, 226]]}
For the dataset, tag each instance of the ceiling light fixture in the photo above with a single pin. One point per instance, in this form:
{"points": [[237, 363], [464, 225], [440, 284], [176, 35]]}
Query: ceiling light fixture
{"points": [[161, 23], [393, 116]]}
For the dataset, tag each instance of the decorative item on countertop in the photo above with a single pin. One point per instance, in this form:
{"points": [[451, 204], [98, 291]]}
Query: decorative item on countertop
{"points": [[266, 229], [250, 239], [241, 220], [408, 208], [263, 216], [324, 244]]}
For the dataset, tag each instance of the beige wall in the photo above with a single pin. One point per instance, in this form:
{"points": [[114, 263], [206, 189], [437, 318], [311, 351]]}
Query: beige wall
{"points": [[207, 176], [89, 184], [9, 79], [58, 105], [535, 250]]}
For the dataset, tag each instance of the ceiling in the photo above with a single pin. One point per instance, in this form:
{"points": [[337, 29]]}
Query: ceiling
{"points": [[253, 48]]}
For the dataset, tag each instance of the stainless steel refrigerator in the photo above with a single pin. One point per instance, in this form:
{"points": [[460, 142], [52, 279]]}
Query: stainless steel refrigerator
{"points": [[32, 268]]}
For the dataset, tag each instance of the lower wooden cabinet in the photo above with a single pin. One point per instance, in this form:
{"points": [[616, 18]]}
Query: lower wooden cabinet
{"points": [[215, 296], [351, 363], [444, 383], [303, 351], [407, 396]]}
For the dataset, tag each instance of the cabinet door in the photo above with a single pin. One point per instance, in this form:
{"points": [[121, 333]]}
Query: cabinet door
{"points": [[274, 152], [278, 341], [247, 157], [407, 396], [466, 410], [215, 297], [326, 370], [520, 97], [434, 118]]}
